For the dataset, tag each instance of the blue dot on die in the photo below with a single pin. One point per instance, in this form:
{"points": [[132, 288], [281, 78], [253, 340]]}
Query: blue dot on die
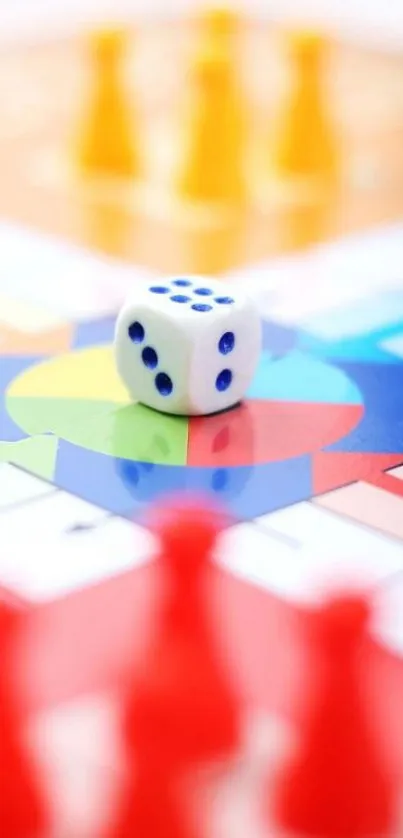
{"points": [[203, 292], [150, 357], [159, 289], [136, 332], [182, 283], [224, 300], [201, 307], [226, 343], [163, 384], [180, 298], [223, 380]]}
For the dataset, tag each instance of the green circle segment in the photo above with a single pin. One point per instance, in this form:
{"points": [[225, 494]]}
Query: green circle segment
{"points": [[78, 398]]}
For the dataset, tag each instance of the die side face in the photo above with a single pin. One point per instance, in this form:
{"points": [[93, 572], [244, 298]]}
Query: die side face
{"points": [[224, 359], [151, 357], [187, 345]]}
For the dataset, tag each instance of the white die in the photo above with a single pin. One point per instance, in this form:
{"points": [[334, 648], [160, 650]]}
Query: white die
{"points": [[187, 345]]}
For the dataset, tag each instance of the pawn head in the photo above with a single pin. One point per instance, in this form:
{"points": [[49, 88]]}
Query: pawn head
{"points": [[107, 44], [343, 620], [188, 529], [307, 48], [219, 21]]}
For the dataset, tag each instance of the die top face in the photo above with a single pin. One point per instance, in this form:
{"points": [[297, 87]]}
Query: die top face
{"points": [[189, 299]]}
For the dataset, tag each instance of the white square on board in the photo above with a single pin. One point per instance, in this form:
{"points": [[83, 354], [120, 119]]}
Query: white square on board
{"points": [[260, 559], [17, 486], [58, 564], [335, 536], [27, 317], [360, 317], [67, 281], [331, 550], [46, 518], [394, 345], [298, 288], [397, 471]]}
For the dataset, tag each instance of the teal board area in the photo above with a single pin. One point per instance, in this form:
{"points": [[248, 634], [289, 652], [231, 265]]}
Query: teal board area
{"points": [[301, 377]]}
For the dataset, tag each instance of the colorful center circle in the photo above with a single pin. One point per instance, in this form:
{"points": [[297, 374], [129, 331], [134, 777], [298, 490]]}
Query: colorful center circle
{"points": [[296, 405]]}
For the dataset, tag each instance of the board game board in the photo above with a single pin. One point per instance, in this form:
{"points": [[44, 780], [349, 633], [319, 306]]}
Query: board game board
{"points": [[310, 466]]}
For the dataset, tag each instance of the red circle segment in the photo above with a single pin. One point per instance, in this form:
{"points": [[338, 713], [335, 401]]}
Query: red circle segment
{"points": [[266, 431]]}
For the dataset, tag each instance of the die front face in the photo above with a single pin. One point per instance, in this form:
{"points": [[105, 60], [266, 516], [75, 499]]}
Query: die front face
{"points": [[151, 354], [187, 345]]}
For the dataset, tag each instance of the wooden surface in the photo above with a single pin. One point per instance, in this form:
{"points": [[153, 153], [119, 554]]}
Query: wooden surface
{"points": [[43, 89]]}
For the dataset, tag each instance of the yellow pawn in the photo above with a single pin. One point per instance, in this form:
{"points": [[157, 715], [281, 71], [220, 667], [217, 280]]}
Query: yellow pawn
{"points": [[214, 153], [217, 24], [306, 141], [106, 146]]}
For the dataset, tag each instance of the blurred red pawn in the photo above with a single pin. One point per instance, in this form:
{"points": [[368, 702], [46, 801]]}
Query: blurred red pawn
{"points": [[181, 710], [337, 784], [182, 702], [151, 806], [23, 812]]}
